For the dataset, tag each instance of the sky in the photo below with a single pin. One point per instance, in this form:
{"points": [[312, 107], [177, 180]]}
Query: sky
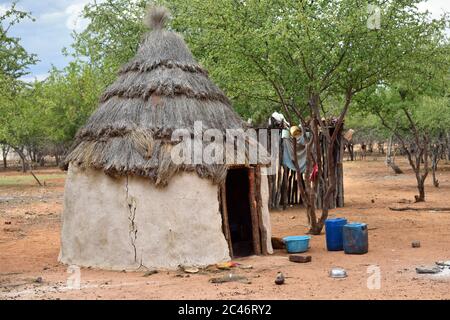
{"points": [[50, 33], [57, 19]]}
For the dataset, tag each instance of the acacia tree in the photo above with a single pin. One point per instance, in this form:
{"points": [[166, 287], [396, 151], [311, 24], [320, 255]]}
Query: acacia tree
{"points": [[307, 58], [414, 108], [112, 36], [41, 118], [305, 53], [21, 124], [68, 97], [413, 121], [435, 118], [14, 60]]}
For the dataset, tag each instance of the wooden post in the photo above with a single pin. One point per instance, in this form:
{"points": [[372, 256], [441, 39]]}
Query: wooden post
{"points": [[291, 187], [340, 201], [262, 229], [34, 176], [285, 188], [324, 185], [279, 174], [270, 180], [253, 211], [225, 222]]}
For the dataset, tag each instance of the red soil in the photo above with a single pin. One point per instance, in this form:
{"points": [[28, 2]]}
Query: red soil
{"points": [[29, 246]]}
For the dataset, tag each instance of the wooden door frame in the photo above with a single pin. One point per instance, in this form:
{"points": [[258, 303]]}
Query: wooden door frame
{"points": [[259, 233]]}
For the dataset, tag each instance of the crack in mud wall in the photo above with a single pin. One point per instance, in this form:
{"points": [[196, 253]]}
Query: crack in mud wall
{"points": [[131, 201]]}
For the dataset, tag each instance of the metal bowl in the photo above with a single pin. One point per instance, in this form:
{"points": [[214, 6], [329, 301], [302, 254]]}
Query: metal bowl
{"points": [[338, 273]]}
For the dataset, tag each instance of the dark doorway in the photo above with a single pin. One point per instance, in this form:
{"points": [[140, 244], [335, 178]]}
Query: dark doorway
{"points": [[239, 214]]}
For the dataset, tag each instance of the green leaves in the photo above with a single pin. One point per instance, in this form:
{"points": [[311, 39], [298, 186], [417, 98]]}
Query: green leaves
{"points": [[265, 54], [14, 59], [112, 36]]}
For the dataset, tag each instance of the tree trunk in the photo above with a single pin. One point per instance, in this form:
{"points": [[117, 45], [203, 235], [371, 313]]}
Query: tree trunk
{"points": [[421, 188], [448, 146], [390, 159], [435, 156], [5, 151], [314, 154], [421, 157], [381, 147], [421, 153], [331, 185], [435, 180], [389, 151], [41, 160], [23, 158], [330, 156], [24, 163]]}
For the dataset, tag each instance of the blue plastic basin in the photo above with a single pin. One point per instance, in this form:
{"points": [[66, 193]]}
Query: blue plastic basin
{"points": [[296, 244]]}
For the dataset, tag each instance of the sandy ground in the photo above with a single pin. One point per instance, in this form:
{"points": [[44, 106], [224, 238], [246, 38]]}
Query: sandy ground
{"points": [[29, 246]]}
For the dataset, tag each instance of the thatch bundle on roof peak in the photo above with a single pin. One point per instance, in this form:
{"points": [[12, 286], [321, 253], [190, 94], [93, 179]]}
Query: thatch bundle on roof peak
{"points": [[157, 17], [161, 89]]}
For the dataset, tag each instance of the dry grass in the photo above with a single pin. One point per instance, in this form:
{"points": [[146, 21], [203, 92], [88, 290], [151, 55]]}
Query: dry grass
{"points": [[27, 180], [160, 90]]}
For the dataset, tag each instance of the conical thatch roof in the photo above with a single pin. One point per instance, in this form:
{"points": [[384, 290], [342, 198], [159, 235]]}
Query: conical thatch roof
{"points": [[161, 89]]}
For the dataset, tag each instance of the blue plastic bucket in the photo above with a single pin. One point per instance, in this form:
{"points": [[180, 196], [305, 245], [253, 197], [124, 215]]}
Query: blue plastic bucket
{"points": [[356, 238], [296, 244], [333, 232]]}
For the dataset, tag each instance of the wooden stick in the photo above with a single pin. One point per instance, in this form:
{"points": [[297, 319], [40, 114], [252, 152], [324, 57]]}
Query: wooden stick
{"points": [[225, 222], [279, 174], [290, 189], [419, 209], [340, 181], [269, 180], [259, 204], [284, 188], [36, 178], [253, 211]]}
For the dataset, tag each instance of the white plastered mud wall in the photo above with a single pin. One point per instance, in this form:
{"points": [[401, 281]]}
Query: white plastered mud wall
{"points": [[126, 223]]}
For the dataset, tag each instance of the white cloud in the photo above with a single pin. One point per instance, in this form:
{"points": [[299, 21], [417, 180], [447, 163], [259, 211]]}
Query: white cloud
{"points": [[435, 7], [3, 9], [74, 20], [71, 16]]}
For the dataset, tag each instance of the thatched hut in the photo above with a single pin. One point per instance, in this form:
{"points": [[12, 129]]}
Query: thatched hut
{"points": [[127, 204]]}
